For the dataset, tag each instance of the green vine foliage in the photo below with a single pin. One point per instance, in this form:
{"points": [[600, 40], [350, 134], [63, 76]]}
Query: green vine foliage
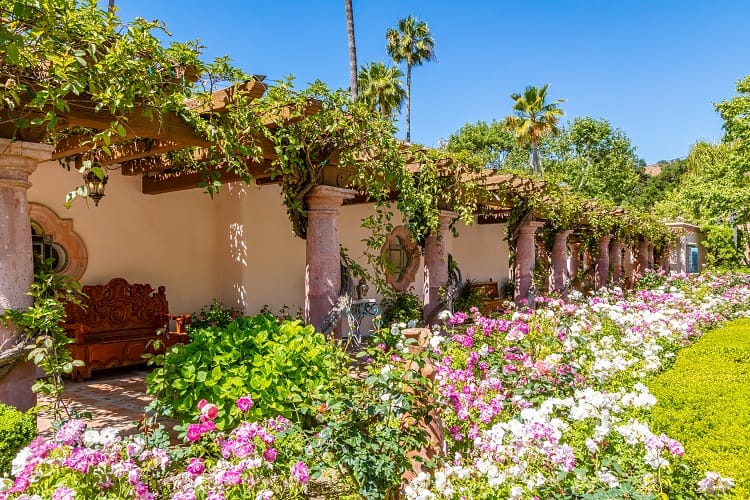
{"points": [[45, 339]]}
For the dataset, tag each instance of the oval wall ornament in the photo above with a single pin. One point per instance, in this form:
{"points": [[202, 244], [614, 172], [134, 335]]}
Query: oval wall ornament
{"points": [[63, 235]]}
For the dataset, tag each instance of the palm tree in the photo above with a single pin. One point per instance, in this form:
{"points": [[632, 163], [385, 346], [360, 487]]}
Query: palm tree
{"points": [[352, 49], [381, 88], [533, 119], [412, 43]]}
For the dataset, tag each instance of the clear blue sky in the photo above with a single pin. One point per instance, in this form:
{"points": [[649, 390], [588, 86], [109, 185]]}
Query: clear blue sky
{"points": [[652, 68]]}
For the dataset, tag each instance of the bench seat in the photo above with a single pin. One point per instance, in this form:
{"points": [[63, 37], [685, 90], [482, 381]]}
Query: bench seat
{"points": [[116, 324]]}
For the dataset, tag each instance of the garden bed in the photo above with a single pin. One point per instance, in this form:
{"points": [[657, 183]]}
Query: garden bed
{"points": [[548, 403]]}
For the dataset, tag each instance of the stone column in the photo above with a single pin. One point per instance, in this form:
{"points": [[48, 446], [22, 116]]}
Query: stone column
{"points": [[651, 261], [525, 258], [615, 260], [574, 264], [601, 271], [641, 258], [628, 267], [323, 269], [17, 161], [436, 250], [559, 261]]}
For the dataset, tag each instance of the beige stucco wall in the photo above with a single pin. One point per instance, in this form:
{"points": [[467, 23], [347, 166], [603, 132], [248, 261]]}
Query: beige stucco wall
{"points": [[169, 239], [238, 248], [481, 252], [678, 252], [263, 263]]}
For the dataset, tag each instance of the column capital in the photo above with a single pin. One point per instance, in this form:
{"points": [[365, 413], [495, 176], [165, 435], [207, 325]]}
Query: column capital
{"points": [[530, 227], [604, 239], [446, 216], [328, 197], [564, 234], [18, 159]]}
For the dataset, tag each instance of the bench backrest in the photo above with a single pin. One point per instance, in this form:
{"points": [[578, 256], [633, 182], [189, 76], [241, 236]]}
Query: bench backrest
{"points": [[119, 306]]}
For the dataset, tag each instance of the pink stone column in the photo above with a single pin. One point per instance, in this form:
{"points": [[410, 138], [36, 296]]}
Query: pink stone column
{"points": [[525, 258], [17, 161], [628, 267], [641, 258], [436, 250], [615, 260], [651, 261], [574, 264], [323, 270], [601, 271], [559, 260]]}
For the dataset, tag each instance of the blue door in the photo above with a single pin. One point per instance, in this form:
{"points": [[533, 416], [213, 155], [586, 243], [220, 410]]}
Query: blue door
{"points": [[692, 259]]}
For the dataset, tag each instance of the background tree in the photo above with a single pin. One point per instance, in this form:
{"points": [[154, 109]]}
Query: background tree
{"points": [[534, 118], [412, 43], [652, 189], [381, 88], [714, 193], [595, 159], [493, 143], [352, 49]]}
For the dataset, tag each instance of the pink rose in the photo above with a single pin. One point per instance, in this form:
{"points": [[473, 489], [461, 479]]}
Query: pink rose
{"points": [[244, 403]]}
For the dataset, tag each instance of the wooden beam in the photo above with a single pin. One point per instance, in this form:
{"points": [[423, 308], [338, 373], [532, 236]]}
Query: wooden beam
{"points": [[134, 151], [220, 99], [170, 128], [179, 181]]}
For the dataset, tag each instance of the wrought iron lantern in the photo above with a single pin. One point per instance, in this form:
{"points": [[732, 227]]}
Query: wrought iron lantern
{"points": [[95, 186]]}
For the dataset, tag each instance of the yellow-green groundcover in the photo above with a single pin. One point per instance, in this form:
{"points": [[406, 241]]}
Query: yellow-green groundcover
{"points": [[704, 402]]}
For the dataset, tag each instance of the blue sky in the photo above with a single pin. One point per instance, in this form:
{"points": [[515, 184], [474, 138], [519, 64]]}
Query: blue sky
{"points": [[652, 68]]}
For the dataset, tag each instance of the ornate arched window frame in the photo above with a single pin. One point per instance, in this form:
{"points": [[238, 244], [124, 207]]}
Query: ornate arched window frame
{"points": [[406, 278], [62, 234]]}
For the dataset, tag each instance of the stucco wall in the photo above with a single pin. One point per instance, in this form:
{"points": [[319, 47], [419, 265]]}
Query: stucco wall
{"points": [[263, 263], [678, 252], [481, 252], [238, 248], [169, 239]]}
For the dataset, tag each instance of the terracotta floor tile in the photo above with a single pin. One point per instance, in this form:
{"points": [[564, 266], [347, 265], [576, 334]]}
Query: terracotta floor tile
{"points": [[115, 398]]}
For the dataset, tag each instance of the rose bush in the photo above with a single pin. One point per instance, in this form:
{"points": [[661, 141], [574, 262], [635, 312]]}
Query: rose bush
{"points": [[245, 462], [551, 403]]}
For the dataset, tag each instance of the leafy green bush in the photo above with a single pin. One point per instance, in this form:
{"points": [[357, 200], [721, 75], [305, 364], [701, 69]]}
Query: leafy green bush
{"points": [[17, 429], [372, 422], [704, 402], [287, 369], [217, 314], [467, 297], [402, 307], [721, 251]]}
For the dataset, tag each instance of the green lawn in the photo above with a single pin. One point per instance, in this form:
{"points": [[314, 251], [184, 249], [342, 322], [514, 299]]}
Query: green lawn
{"points": [[704, 402]]}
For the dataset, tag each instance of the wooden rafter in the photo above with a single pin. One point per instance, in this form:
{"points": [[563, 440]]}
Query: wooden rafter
{"points": [[221, 99], [178, 181]]}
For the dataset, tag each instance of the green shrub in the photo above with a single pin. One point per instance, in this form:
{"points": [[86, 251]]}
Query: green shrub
{"points": [[402, 307], [287, 369], [704, 402], [468, 297], [17, 429], [217, 314]]}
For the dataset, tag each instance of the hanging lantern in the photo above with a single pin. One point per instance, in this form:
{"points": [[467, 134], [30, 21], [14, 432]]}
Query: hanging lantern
{"points": [[95, 186]]}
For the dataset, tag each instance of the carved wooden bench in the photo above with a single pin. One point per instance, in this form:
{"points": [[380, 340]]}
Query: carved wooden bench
{"points": [[116, 324], [489, 291]]}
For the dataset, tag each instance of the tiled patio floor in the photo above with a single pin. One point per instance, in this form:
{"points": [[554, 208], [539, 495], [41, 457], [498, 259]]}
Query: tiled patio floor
{"points": [[115, 398]]}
